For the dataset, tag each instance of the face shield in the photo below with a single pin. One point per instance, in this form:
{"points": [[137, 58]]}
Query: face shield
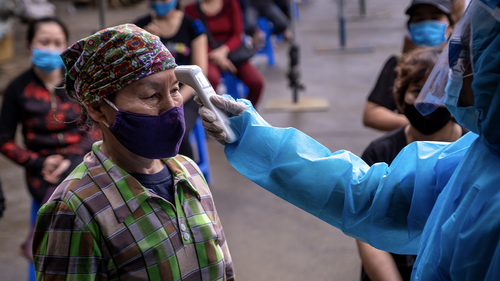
{"points": [[480, 16]]}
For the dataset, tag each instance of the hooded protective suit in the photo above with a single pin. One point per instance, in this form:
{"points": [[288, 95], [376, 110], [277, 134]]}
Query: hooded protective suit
{"points": [[440, 201]]}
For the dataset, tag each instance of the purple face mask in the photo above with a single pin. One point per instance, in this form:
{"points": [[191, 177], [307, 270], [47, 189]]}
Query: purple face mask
{"points": [[149, 136]]}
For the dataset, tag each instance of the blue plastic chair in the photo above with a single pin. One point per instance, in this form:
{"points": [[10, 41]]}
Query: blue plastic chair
{"points": [[234, 86], [198, 140], [34, 211], [295, 6], [267, 27]]}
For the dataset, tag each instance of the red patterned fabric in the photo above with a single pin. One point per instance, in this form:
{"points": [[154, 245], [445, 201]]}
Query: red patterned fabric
{"points": [[112, 58]]}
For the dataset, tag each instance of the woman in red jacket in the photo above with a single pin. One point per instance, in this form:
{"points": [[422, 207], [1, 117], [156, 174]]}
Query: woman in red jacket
{"points": [[224, 21], [54, 142]]}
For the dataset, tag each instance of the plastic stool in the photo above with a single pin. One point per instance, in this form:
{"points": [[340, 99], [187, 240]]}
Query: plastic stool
{"points": [[267, 27], [234, 86], [198, 139], [34, 211]]}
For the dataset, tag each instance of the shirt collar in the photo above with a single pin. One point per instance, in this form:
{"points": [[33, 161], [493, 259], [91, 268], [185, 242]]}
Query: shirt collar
{"points": [[124, 193]]}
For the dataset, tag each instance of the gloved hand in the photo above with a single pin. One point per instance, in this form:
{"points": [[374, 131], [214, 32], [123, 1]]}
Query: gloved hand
{"points": [[208, 118]]}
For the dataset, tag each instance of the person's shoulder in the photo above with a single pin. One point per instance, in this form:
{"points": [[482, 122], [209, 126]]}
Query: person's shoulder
{"points": [[194, 24], [390, 138], [392, 61], [23, 79], [190, 7], [73, 184], [386, 147], [143, 20], [464, 130], [192, 171], [234, 4], [70, 187]]}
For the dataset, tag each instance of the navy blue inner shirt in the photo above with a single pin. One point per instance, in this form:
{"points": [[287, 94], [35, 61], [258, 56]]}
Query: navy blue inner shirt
{"points": [[160, 183]]}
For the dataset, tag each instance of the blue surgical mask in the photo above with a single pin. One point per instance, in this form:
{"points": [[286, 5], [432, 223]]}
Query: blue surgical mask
{"points": [[46, 60], [465, 116], [428, 33], [162, 8]]}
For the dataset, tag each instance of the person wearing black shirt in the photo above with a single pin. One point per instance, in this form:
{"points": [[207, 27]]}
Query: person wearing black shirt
{"points": [[411, 75], [185, 38], [380, 111]]}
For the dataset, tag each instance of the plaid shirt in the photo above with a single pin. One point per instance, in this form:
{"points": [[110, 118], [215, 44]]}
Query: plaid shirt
{"points": [[101, 224]]}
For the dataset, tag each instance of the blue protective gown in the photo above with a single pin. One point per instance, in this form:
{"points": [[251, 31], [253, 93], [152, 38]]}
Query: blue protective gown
{"points": [[438, 200]]}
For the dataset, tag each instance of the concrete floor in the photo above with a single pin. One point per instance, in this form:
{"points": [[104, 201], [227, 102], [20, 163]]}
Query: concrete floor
{"points": [[269, 239]]}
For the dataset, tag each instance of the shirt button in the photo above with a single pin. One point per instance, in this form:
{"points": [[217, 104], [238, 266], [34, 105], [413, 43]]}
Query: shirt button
{"points": [[186, 236], [183, 227]]}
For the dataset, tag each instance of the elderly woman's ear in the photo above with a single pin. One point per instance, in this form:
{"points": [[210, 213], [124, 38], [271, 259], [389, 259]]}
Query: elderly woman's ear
{"points": [[95, 111]]}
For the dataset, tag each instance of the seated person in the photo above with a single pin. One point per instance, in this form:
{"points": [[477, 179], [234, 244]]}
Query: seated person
{"points": [[430, 24], [412, 73], [224, 27], [268, 9], [186, 40]]}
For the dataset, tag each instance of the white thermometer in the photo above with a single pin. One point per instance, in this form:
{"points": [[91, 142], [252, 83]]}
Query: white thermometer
{"points": [[192, 75]]}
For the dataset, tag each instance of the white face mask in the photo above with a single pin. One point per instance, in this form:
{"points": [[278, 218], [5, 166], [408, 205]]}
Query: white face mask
{"points": [[465, 116]]}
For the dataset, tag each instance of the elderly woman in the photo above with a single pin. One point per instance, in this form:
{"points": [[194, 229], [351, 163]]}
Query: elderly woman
{"points": [[134, 209]]}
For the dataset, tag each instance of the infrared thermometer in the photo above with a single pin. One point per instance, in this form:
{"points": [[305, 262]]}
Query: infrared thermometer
{"points": [[193, 76]]}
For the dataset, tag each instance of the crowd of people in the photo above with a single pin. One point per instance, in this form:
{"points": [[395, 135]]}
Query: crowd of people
{"points": [[105, 125]]}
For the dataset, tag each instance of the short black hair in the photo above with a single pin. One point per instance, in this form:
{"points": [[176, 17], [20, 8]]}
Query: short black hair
{"points": [[410, 14], [34, 24]]}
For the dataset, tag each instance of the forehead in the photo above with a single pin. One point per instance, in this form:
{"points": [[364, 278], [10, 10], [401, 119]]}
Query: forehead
{"points": [[160, 80], [426, 10], [49, 29]]}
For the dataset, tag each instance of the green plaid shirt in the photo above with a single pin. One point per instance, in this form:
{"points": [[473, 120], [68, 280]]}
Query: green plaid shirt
{"points": [[102, 224]]}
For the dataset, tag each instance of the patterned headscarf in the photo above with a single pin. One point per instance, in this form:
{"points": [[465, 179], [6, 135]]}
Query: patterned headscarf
{"points": [[112, 58]]}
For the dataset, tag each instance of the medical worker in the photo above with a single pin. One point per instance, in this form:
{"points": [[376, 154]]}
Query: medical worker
{"points": [[438, 200]]}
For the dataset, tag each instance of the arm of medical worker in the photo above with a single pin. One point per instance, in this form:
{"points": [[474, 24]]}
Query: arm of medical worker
{"points": [[384, 206]]}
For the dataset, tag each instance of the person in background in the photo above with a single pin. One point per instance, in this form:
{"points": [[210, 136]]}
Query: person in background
{"points": [[54, 144], [437, 200], [134, 209], [186, 40], [412, 70], [2, 201], [224, 21], [457, 10], [430, 24], [268, 9]]}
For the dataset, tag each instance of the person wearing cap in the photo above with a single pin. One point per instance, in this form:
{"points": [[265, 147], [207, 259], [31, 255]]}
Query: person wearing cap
{"points": [[438, 200], [134, 209], [430, 23]]}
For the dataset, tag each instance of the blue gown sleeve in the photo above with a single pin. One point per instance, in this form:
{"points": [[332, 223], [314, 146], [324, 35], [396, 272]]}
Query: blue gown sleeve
{"points": [[384, 206]]}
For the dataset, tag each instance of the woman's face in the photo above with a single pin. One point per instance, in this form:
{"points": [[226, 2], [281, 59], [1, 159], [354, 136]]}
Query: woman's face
{"points": [[429, 12], [49, 36], [151, 95]]}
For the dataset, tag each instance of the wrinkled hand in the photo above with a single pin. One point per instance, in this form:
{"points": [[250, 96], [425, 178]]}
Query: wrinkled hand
{"points": [[53, 167], [219, 57], [208, 118]]}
